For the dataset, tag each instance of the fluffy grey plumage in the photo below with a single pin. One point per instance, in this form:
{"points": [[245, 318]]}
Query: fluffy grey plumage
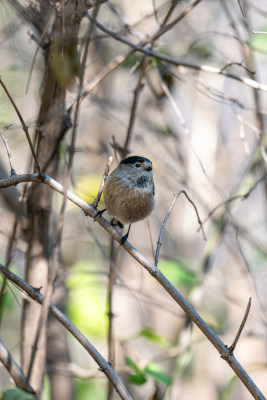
{"points": [[129, 190]]}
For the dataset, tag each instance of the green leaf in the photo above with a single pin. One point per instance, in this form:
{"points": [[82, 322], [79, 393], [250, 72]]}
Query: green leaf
{"points": [[139, 379], [259, 40], [177, 274], [16, 394], [133, 365], [154, 337], [156, 372], [130, 61]]}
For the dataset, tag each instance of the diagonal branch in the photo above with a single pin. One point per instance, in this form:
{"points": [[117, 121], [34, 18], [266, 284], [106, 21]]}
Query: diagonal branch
{"points": [[38, 297], [151, 268], [13, 368]]}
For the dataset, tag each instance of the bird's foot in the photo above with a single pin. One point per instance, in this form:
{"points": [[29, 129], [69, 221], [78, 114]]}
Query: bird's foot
{"points": [[100, 212]]}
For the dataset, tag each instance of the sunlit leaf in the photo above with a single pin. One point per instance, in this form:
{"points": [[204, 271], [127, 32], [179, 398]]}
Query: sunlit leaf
{"points": [[259, 40], [89, 389], [8, 300], [156, 372], [154, 337], [86, 305], [177, 274], [87, 187]]}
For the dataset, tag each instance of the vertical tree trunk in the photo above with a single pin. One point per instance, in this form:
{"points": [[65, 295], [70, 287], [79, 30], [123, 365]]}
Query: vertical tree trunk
{"points": [[51, 126]]}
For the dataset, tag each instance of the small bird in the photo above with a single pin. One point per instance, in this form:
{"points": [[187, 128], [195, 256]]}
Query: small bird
{"points": [[129, 191]]}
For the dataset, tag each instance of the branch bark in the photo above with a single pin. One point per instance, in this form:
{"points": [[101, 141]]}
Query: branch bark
{"points": [[39, 298], [223, 349]]}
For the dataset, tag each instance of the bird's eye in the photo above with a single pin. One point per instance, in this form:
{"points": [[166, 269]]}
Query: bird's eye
{"points": [[138, 165]]}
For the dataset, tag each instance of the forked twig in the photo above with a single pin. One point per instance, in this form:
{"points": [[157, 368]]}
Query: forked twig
{"points": [[233, 345], [159, 243]]}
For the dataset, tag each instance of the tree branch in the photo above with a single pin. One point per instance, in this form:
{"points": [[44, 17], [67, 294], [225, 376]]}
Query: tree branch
{"points": [[38, 297], [152, 269], [11, 365], [171, 60]]}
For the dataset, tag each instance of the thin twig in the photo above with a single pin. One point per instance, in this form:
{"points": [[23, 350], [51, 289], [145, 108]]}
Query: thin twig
{"points": [[159, 243], [121, 58], [171, 60], [24, 126], [39, 42], [104, 178], [12, 170], [233, 345], [40, 325], [139, 87], [241, 197]]}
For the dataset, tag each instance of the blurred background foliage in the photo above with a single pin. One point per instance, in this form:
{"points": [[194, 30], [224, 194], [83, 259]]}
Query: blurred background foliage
{"points": [[205, 133]]}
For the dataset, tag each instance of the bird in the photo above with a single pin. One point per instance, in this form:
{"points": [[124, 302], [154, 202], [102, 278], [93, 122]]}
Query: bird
{"points": [[129, 192]]}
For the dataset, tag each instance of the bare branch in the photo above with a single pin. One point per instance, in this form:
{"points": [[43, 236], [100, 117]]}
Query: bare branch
{"points": [[171, 60], [13, 368], [38, 297], [159, 243], [166, 218], [139, 87], [152, 269]]}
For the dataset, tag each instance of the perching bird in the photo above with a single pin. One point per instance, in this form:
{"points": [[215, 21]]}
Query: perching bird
{"points": [[129, 191]]}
